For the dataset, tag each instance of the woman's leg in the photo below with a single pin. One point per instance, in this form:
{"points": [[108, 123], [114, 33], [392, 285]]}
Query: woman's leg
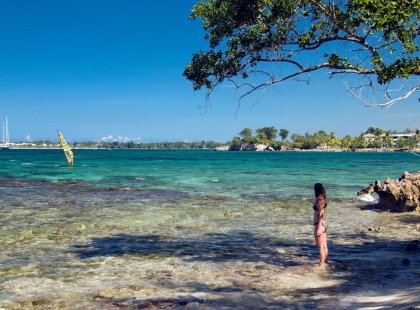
{"points": [[326, 248], [315, 236], [320, 242], [323, 250]]}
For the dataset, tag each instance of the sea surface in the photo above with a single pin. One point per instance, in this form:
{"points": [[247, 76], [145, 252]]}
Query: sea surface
{"points": [[234, 174], [199, 229]]}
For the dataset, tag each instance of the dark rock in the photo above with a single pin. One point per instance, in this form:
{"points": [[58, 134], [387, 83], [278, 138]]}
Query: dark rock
{"points": [[365, 191], [402, 195]]}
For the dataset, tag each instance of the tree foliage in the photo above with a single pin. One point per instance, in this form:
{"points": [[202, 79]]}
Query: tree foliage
{"points": [[374, 131], [406, 143], [322, 139], [259, 43], [267, 134], [246, 135], [236, 144], [312, 141], [283, 134]]}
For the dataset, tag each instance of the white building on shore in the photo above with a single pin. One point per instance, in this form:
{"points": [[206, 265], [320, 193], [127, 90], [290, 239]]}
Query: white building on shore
{"points": [[397, 136], [371, 137]]}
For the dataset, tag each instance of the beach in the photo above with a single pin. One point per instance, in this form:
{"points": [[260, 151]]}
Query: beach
{"points": [[200, 230]]}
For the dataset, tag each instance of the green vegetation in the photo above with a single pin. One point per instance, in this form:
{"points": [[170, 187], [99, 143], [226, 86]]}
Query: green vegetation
{"points": [[378, 138], [270, 137], [126, 145], [284, 133], [254, 44], [160, 145]]}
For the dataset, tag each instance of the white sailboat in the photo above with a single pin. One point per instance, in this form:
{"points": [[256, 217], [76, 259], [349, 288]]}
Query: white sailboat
{"points": [[6, 141]]}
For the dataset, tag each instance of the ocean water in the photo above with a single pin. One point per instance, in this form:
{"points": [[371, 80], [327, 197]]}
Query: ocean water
{"points": [[280, 174], [203, 229]]}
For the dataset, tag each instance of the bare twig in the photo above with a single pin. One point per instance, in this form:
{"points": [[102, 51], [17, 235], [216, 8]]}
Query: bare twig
{"points": [[357, 92]]}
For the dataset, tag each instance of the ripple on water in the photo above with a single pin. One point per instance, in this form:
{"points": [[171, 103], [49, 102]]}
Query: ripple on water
{"points": [[72, 243]]}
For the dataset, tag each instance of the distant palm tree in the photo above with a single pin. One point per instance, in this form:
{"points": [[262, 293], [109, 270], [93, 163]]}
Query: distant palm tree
{"points": [[246, 134], [283, 134]]}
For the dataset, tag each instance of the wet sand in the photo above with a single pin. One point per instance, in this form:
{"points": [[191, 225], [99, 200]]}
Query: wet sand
{"points": [[139, 249]]}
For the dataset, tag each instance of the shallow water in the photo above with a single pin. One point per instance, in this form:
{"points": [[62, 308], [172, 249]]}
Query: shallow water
{"points": [[199, 229]]}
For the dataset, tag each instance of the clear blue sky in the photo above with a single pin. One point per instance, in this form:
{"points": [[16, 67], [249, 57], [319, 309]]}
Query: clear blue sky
{"points": [[96, 69]]}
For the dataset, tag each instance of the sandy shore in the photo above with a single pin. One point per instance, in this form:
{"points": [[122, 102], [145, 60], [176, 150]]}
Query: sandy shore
{"points": [[223, 257]]}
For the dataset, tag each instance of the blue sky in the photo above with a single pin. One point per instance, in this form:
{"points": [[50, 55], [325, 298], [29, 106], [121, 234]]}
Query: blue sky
{"points": [[96, 69]]}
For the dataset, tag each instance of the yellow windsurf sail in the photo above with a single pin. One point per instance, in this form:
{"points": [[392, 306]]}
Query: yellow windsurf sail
{"points": [[66, 148]]}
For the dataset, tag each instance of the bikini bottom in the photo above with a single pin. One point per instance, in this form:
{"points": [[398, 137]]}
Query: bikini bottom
{"points": [[324, 224]]}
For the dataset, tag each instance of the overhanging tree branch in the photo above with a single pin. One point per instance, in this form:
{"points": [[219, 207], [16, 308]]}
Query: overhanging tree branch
{"points": [[357, 92], [363, 38]]}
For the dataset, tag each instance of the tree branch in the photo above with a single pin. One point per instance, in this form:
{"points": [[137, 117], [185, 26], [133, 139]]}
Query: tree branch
{"points": [[275, 81], [387, 104]]}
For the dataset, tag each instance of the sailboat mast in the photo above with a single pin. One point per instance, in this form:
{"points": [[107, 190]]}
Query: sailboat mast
{"points": [[7, 133]]}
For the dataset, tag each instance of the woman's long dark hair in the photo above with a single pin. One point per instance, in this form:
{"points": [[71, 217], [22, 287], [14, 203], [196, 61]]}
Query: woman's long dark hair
{"points": [[320, 191]]}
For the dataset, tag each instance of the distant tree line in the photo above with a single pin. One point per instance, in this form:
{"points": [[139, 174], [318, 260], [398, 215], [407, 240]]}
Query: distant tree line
{"points": [[269, 136], [159, 145], [129, 145]]}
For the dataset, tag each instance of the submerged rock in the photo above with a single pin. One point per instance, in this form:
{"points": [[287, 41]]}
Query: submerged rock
{"points": [[402, 195]]}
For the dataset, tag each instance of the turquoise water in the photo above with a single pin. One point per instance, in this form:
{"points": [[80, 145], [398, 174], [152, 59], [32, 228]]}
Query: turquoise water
{"points": [[214, 230], [279, 174]]}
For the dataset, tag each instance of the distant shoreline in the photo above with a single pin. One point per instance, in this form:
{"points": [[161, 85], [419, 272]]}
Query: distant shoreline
{"points": [[335, 150]]}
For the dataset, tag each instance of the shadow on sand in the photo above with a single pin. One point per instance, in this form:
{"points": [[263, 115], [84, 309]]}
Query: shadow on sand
{"points": [[362, 270], [217, 247]]}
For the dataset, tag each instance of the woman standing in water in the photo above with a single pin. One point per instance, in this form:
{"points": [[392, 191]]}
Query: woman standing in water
{"points": [[320, 225]]}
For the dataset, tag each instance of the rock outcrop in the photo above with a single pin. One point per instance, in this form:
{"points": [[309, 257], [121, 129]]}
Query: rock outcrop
{"points": [[402, 195], [222, 148], [245, 147], [260, 147], [253, 147]]}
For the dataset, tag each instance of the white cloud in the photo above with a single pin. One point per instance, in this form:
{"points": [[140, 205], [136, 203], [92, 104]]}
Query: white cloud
{"points": [[28, 137], [109, 138]]}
